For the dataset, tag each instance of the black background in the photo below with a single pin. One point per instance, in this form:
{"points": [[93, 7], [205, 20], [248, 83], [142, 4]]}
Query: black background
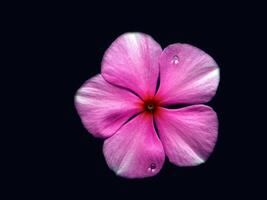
{"points": [[61, 46]]}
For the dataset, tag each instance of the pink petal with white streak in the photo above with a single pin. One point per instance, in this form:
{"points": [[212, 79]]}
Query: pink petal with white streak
{"points": [[135, 151], [187, 75], [104, 108], [188, 134], [132, 62]]}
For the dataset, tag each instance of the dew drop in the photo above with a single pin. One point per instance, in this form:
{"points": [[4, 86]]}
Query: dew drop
{"points": [[152, 167], [175, 60]]}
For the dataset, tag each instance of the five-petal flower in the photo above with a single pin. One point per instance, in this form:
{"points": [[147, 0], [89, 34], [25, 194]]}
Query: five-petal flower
{"points": [[126, 105]]}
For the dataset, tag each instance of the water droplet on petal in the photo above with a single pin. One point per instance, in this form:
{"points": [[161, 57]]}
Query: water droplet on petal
{"points": [[152, 167], [175, 60]]}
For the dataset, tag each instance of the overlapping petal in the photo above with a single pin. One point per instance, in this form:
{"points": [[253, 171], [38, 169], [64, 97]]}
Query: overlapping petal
{"points": [[187, 75], [132, 62], [135, 151], [188, 134], [104, 108]]}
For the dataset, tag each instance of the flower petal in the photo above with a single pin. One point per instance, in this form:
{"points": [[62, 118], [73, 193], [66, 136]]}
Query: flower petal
{"points": [[132, 62], [135, 151], [187, 75], [104, 108], [188, 134]]}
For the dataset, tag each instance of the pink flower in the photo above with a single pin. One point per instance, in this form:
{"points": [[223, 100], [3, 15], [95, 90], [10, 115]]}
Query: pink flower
{"points": [[123, 105]]}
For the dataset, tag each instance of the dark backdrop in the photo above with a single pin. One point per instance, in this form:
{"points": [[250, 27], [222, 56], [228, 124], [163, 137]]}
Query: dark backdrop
{"points": [[62, 46]]}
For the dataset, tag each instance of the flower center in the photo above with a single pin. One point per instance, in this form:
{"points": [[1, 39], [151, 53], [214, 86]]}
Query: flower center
{"points": [[150, 105]]}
